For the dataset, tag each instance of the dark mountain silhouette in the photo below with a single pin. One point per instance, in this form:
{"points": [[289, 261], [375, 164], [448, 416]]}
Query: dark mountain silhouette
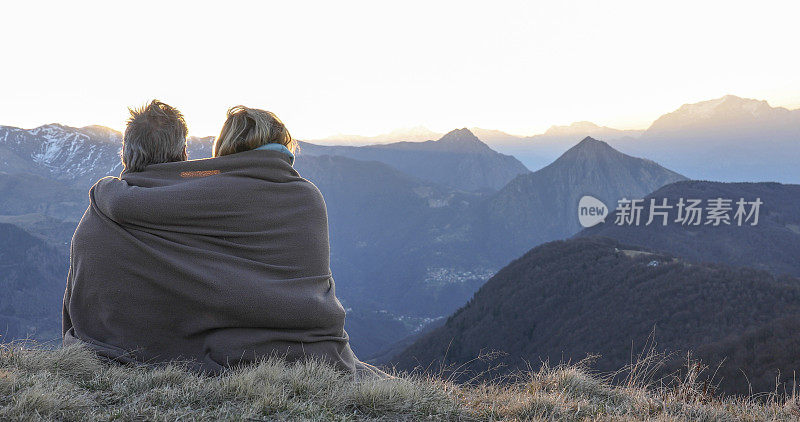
{"points": [[32, 282], [567, 299], [458, 160], [542, 206], [772, 245], [729, 139]]}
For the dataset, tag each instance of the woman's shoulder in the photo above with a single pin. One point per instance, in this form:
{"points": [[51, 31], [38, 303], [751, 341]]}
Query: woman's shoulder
{"points": [[310, 189]]}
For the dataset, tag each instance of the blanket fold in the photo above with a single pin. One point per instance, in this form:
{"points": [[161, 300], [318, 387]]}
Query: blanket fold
{"points": [[216, 262]]}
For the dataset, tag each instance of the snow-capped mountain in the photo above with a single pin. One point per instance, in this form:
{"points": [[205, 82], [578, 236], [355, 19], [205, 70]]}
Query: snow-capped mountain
{"points": [[76, 156]]}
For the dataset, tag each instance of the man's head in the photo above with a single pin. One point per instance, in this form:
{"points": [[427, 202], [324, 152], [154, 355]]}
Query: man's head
{"points": [[156, 133]]}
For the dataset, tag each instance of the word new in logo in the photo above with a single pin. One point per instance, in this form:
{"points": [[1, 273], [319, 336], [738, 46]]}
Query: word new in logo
{"points": [[591, 211]]}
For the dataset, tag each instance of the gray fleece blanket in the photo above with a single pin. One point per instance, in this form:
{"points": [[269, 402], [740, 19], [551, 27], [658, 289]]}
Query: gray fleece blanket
{"points": [[216, 262]]}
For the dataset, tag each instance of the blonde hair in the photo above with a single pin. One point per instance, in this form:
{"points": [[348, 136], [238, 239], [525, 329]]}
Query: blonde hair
{"points": [[249, 128]]}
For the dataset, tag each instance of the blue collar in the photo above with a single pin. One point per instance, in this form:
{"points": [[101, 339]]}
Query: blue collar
{"points": [[279, 147]]}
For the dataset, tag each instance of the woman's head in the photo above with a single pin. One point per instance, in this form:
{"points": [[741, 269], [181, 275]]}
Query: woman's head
{"points": [[249, 128]]}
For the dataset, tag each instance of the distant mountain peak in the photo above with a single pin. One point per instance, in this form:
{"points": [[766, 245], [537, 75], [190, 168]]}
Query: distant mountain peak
{"points": [[463, 140], [49, 128], [728, 111], [462, 135], [728, 102], [591, 146], [576, 127], [102, 133], [590, 141], [592, 155]]}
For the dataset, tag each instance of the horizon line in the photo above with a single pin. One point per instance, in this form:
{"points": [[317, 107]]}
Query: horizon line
{"points": [[513, 133]]}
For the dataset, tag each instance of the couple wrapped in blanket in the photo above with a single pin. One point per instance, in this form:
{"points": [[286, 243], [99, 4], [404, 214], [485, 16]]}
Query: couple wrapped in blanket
{"points": [[215, 262]]}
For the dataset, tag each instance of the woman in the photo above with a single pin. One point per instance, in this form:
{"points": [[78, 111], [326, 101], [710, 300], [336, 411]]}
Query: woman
{"points": [[248, 129], [217, 262]]}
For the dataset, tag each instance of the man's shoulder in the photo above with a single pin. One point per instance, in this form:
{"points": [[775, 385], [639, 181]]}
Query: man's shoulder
{"points": [[105, 182]]}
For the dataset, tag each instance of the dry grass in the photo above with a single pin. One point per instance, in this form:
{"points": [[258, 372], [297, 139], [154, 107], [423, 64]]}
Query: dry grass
{"points": [[71, 384]]}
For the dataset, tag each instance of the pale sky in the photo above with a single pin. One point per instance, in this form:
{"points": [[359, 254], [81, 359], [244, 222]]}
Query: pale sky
{"points": [[370, 67]]}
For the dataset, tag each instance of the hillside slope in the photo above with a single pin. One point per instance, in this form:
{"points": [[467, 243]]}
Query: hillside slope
{"points": [[32, 281], [565, 300]]}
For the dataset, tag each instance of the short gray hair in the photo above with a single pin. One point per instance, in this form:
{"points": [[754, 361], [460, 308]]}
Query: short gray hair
{"points": [[249, 128], [156, 133]]}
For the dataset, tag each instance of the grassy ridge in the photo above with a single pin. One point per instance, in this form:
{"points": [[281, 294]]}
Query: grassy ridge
{"points": [[72, 384]]}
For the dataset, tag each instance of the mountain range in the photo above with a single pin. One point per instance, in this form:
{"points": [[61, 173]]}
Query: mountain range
{"points": [[727, 139], [443, 244], [537, 151], [458, 160], [72, 156]]}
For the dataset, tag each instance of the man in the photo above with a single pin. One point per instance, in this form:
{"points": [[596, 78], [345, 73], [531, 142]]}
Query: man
{"points": [[156, 133]]}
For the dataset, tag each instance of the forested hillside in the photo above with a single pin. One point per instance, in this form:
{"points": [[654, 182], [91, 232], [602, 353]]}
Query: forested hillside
{"points": [[566, 300]]}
